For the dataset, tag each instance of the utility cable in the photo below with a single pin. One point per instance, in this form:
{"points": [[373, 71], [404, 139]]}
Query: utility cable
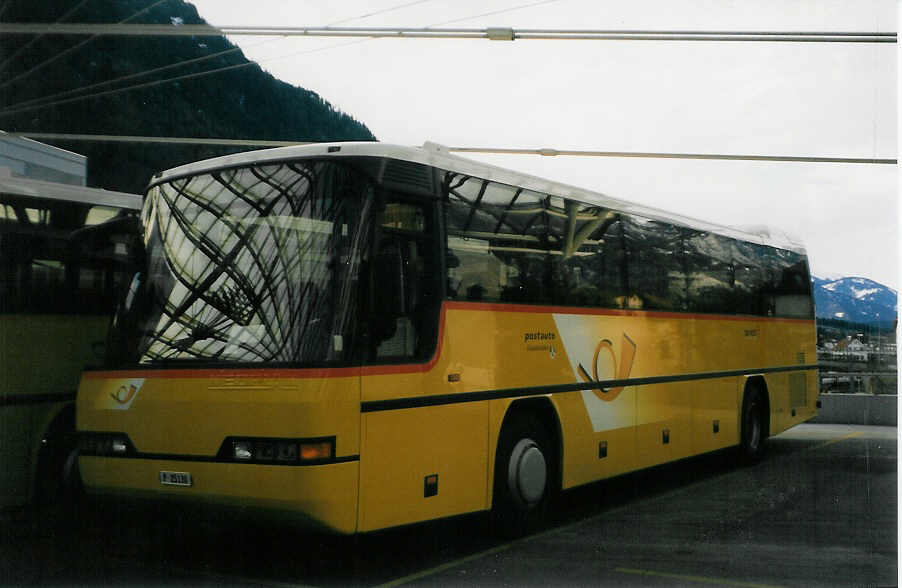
{"points": [[35, 39], [378, 12], [337, 45], [491, 33], [496, 34], [10, 111], [31, 104], [77, 46], [43, 101], [485, 150], [494, 13]]}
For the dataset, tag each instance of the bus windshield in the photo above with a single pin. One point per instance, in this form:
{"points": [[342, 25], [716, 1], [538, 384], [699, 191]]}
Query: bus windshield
{"points": [[250, 264]]}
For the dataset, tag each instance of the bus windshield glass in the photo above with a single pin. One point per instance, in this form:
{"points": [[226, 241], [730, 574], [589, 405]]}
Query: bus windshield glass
{"points": [[251, 264]]}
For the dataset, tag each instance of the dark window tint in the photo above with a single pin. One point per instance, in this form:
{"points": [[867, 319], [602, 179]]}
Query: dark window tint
{"points": [[711, 272], [506, 244], [404, 314], [500, 241], [656, 271], [592, 270], [750, 275], [788, 284], [63, 257]]}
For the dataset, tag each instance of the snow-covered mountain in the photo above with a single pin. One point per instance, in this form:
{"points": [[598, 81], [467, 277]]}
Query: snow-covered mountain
{"points": [[854, 299]]}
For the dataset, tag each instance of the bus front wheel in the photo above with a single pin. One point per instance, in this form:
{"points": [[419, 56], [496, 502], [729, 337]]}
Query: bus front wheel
{"points": [[524, 475], [58, 478]]}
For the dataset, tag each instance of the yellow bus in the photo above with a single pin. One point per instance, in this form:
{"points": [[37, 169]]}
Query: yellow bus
{"points": [[367, 336], [64, 251]]}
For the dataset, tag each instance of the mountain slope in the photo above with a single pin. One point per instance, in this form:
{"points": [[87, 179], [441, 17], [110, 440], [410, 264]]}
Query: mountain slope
{"points": [[854, 299], [242, 102]]}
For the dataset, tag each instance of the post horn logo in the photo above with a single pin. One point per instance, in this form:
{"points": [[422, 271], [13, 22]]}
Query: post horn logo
{"points": [[124, 395], [627, 355]]}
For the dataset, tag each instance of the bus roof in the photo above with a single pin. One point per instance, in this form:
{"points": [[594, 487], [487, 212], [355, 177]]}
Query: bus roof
{"points": [[438, 156]]}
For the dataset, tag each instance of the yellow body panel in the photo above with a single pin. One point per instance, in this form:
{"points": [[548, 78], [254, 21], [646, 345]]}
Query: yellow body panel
{"points": [[174, 415], [403, 447], [41, 357], [407, 423], [184, 414]]}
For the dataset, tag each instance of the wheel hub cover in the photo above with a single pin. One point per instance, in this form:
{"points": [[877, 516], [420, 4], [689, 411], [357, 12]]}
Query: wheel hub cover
{"points": [[527, 472]]}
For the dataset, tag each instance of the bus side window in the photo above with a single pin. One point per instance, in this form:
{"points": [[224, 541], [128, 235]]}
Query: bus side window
{"points": [[711, 273], [500, 237], [655, 255]]}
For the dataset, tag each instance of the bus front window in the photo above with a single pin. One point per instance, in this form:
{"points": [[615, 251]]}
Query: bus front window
{"points": [[254, 264]]}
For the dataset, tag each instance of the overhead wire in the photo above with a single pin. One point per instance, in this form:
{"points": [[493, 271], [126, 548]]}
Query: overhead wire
{"points": [[378, 12], [44, 100], [337, 45], [11, 111], [855, 37], [35, 39], [496, 34], [31, 104], [501, 34], [75, 47], [547, 152], [494, 13], [454, 33], [47, 100]]}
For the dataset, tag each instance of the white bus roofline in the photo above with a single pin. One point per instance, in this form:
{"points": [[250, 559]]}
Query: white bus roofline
{"points": [[434, 154]]}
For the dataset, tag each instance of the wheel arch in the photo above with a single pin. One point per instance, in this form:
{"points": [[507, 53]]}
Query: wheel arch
{"points": [[758, 383], [544, 410], [56, 431]]}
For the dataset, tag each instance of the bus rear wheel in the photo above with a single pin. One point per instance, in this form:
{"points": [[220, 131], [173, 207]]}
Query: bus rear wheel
{"points": [[524, 475], [753, 427]]}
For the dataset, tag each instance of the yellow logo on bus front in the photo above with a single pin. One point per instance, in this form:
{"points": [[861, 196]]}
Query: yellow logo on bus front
{"points": [[119, 394]]}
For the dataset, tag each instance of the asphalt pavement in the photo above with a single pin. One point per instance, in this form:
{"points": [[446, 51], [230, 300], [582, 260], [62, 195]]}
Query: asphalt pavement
{"points": [[820, 510]]}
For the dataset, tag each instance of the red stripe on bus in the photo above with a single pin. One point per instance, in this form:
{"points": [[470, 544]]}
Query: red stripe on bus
{"points": [[412, 368], [342, 372], [541, 309]]}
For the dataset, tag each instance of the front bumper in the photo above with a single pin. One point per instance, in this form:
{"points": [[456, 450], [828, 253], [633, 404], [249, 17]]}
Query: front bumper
{"points": [[324, 496]]}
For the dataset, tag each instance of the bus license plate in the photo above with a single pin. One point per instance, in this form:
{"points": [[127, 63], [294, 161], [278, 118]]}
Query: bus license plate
{"points": [[175, 479]]}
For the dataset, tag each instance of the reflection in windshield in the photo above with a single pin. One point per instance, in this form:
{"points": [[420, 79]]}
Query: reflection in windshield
{"points": [[252, 264]]}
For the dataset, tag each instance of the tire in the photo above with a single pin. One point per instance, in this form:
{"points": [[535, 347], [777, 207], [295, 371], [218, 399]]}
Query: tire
{"points": [[58, 477], [525, 475], [753, 427]]}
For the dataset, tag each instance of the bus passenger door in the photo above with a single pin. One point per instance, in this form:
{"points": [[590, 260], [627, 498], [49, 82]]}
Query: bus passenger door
{"points": [[420, 458]]}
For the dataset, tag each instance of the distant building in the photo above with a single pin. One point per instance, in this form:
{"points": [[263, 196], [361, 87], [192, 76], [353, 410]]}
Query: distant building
{"points": [[856, 346], [36, 170], [25, 158]]}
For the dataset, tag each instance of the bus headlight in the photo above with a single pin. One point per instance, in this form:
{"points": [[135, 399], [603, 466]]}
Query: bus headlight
{"points": [[242, 450], [105, 444], [279, 451]]}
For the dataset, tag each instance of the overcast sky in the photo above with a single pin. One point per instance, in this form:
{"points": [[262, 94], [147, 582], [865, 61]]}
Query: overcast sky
{"points": [[809, 99]]}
